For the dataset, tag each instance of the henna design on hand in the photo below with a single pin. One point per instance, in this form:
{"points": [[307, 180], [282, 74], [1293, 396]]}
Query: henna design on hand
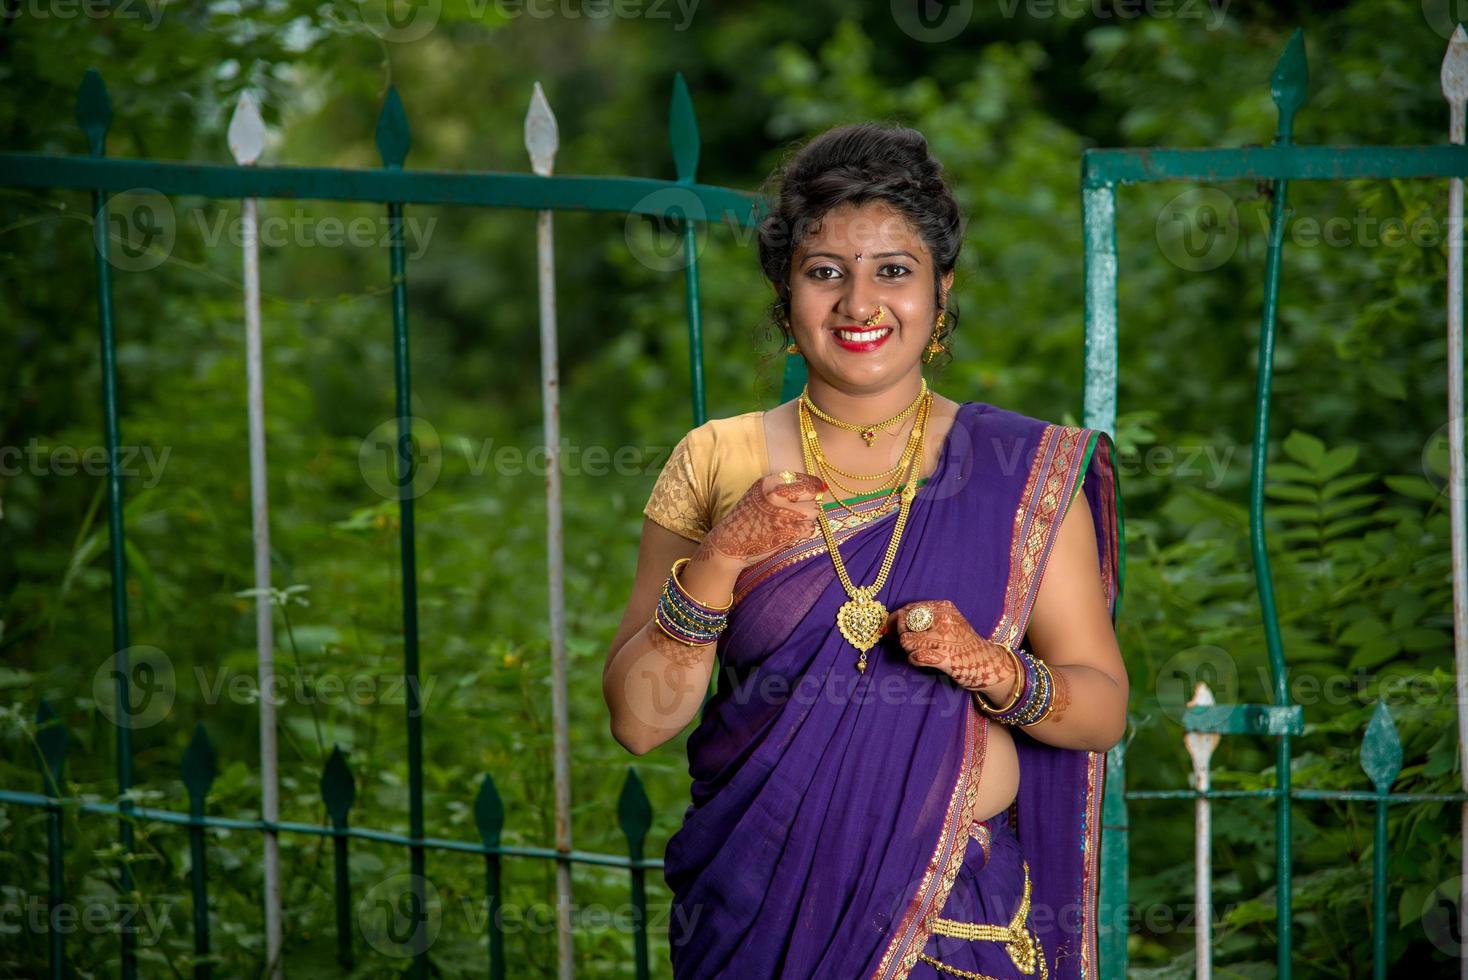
{"points": [[756, 525], [953, 646]]}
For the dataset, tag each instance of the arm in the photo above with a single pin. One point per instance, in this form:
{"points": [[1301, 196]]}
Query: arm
{"points": [[653, 684], [1071, 630]]}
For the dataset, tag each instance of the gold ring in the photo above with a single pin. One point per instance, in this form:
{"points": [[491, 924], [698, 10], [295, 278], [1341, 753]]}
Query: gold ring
{"points": [[918, 618], [787, 477]]}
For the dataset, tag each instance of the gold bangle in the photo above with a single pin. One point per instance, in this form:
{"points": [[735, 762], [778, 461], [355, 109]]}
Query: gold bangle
{"points": [[677, 567], [1019, 686]]}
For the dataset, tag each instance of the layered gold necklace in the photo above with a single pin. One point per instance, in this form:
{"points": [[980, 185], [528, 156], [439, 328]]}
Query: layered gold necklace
{"points": [[862, 616]]}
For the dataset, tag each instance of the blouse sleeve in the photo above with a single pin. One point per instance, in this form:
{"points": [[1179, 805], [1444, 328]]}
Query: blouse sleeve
{"points": [[678, 503]]}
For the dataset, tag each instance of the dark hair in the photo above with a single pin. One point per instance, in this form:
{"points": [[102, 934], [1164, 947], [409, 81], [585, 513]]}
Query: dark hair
{"points": [[854, 164]]}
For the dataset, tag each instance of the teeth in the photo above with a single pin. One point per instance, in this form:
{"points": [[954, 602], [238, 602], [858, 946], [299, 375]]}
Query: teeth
{"points": [[863, 336]]}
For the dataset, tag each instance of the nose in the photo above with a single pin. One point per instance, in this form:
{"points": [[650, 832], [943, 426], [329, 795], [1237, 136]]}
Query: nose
{"points": [[861, 301]]}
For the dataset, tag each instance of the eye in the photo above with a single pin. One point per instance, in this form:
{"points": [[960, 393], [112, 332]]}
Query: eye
{"points": [[900, 270], [814, 273]]}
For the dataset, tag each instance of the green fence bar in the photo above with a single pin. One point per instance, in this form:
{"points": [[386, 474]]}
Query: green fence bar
{"points": [[338, 790], [1381, 758], [1288, 88], [94, 114], [51, 745], [634, 813], [393, 142], [489, 818], [198, 775]]}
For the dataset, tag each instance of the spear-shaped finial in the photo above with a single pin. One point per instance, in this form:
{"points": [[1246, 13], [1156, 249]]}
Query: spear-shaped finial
{"points": [[542, 136]]}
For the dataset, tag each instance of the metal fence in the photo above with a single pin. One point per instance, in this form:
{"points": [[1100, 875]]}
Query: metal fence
{"points": [[688, 204], [1102, 171], [683, 203]]}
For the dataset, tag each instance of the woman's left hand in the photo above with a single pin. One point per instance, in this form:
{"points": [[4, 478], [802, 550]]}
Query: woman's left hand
{"points": [[953, 646]]}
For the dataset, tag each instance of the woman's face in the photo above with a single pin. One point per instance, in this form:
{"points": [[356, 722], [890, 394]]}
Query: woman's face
{"points": [[860, 261]]}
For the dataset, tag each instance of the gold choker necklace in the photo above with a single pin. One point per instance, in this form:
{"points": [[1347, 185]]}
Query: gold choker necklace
{"points": [[868, 433]]}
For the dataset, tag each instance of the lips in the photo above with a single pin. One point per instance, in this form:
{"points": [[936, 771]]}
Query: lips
{"points": [[861, 339]]}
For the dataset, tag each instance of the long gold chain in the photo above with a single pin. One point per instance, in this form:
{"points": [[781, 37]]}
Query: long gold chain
{"points": [[862, 617], [868, 433], [822, 466]]}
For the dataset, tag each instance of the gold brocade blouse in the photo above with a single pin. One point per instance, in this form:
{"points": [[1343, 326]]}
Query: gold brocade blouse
{"points": [[708, 471]]}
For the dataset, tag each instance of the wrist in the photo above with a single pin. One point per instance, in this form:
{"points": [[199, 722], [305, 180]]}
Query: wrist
{"points": [[709, 556], [1009, 688], [709, 577]]}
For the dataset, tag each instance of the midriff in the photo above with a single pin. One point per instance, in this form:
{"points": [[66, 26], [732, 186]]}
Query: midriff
{"points": [[999, 781]]}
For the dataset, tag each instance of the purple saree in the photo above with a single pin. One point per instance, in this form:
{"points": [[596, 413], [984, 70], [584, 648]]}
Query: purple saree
{"points": [[832, 829]]}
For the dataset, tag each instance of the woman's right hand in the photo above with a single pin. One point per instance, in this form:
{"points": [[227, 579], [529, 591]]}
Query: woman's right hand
{"points": [[772, 515]]}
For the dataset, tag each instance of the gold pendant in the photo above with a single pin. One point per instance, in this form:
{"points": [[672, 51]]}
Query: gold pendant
{"points": [[860, 620], [869, 435]]}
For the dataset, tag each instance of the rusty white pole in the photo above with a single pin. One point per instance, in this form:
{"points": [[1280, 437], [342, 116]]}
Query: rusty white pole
{"points": [[246, 142], [542, 139], [1200, 747], [1455, 90]]}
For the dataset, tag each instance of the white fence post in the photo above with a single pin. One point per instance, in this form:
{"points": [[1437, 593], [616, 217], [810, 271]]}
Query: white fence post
{"points": [[246, 142]]}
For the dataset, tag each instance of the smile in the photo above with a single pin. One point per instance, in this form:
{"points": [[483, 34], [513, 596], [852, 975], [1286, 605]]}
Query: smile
{"points": [[864, 339]]}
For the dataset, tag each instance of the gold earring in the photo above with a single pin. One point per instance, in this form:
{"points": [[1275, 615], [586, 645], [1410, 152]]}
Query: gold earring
{"points": [[792, 347], [935, 346]]}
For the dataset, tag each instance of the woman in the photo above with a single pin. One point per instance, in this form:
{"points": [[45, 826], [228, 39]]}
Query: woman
{"points": [[900, 772]]}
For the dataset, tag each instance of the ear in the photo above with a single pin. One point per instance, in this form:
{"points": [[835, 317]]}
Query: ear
{"points": [[947, 283]]}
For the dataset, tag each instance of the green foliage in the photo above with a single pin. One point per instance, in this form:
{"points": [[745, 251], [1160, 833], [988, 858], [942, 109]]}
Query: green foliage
{"points": [[1357, 530]]}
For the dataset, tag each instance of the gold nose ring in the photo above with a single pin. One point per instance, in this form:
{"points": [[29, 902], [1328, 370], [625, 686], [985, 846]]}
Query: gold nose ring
{"points": [[875, 318]]}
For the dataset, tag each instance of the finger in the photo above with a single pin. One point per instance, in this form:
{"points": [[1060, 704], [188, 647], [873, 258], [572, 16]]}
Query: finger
{"points": [[792, 486], [922, 653], [897, 619]]}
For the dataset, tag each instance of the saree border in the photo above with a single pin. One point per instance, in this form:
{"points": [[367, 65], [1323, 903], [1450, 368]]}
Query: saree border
{"points": [[1061, 460], [1057, 466], [916, 925]]}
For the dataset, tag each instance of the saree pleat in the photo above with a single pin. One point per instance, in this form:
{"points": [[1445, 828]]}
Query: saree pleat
{"points": [[832, 812]]}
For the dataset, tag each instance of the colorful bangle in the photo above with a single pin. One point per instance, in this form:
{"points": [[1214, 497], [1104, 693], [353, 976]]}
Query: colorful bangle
{"points": [[684, 618], [1033, 698], [1036, 707]]}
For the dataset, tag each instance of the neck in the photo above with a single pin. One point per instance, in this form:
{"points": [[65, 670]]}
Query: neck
{"points": [[847, 447], [862, 407]]}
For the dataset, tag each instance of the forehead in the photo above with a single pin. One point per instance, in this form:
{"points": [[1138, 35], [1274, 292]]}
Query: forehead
{"points": [[872, 226]]}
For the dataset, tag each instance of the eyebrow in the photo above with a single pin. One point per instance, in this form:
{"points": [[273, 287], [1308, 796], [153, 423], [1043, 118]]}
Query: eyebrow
{"points": [[842, 258]]}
